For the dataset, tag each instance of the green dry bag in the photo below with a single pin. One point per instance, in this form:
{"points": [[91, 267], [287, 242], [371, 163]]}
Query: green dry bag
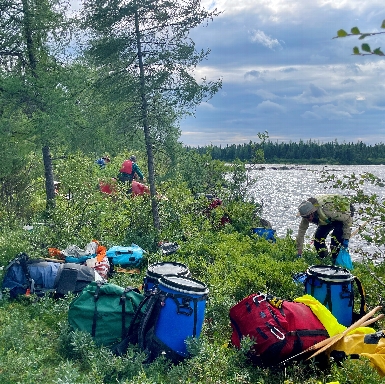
{"points": [[106, 311]]}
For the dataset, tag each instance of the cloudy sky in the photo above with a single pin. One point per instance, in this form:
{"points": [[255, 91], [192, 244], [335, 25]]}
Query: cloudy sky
{"points": [[284, 73]]}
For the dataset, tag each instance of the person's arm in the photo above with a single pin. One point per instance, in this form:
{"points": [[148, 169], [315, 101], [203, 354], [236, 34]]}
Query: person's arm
{"points": [[137, 170], [303, 226]]}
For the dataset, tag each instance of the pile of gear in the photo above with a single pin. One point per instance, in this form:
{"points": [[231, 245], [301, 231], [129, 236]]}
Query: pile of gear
{"points": [[160, 317]]}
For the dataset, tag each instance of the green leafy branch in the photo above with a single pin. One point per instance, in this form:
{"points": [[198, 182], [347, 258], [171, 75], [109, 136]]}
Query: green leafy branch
{"points": [[365, 48]]}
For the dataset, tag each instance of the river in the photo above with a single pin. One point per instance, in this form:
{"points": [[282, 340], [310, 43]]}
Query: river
{"points": [[281, 188]]}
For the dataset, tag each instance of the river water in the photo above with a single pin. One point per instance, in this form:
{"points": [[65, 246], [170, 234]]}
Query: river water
{"points": [[281, 188]]}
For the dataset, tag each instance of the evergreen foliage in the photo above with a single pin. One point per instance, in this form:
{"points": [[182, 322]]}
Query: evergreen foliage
{"points": [[309, 152]]}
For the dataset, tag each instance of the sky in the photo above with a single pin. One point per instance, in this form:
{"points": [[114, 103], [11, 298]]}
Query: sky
{"points": [[283, 73]]}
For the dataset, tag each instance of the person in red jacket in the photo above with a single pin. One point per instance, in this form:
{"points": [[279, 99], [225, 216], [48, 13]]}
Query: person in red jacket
{"points": [[129, 169]]}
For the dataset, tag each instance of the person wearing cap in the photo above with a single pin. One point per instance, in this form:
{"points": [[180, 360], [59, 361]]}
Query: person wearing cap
{"points": [[129, 169], [103, 161], [332, 214], [56, 186]]}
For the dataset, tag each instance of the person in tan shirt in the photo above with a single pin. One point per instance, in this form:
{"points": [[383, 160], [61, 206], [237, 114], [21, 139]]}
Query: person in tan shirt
{"points": [[332, 214]]}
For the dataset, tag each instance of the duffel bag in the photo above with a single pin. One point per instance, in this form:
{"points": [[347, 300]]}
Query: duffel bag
{"points": [[105, 311], [73, 277], [280, 329], [131, 256], [26, 275]]}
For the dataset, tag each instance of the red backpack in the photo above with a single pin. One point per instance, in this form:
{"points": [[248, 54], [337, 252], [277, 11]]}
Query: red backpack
{"points": [[139, 189], [126, 167], [279, 328]]}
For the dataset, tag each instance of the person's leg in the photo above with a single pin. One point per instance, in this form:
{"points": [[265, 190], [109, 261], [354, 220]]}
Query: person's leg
{"points": [[336, 239], [319, 240]]}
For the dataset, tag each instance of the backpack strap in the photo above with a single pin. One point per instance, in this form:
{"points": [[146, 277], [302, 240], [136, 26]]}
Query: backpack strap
{"points": [[22, 260], [96, 297], [363, 308], [147, 338], [328, 298], [122, 302], [184, 308], [121, 348], [155, 303]]}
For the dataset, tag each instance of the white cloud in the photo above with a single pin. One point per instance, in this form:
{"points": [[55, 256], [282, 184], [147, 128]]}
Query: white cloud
{"points": [[268, 106], [261, 38], [276, 8], [207, 106], [217, 136], [349, 81], [253, 73], [288, 69], [310, 116], [329, 112], [293, 91], [312, 94]]}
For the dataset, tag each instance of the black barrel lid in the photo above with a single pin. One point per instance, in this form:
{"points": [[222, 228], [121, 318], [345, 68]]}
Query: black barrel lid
{"points": [[330, 273]]}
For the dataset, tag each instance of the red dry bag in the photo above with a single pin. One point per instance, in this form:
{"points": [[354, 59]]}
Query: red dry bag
{"points": [[280, 329]]}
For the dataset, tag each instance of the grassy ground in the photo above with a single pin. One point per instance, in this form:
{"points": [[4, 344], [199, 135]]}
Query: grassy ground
{"points": [[37, 346]]}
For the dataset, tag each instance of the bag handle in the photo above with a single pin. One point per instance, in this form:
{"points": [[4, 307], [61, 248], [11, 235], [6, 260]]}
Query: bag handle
{"points": [[125, 252]]}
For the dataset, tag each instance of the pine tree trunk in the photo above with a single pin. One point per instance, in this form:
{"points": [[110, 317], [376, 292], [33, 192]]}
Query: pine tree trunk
{"points": [[48, 172], [146, 128]]}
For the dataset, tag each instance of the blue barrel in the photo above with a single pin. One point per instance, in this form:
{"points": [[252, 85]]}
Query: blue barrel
{"points": [[266, 233], [157, 270], [333, 287], [182, 314]]}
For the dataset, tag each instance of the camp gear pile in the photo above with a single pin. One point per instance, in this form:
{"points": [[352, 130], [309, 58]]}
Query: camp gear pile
{"points": [[24, 275], [170, 311]]}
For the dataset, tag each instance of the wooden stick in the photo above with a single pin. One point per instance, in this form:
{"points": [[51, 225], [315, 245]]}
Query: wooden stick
{"points": [[330, 339], [363, 225], [339, 336], [371, 321]]}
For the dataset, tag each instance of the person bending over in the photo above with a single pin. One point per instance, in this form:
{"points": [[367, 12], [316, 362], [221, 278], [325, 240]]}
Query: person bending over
{"points": [[332, 214]]}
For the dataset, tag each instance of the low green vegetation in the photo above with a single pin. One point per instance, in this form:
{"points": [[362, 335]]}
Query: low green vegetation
{"points": [[36, 345]]}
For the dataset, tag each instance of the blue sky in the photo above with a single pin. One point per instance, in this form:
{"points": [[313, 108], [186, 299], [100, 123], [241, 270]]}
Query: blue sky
{"points": [[284, 73]]}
